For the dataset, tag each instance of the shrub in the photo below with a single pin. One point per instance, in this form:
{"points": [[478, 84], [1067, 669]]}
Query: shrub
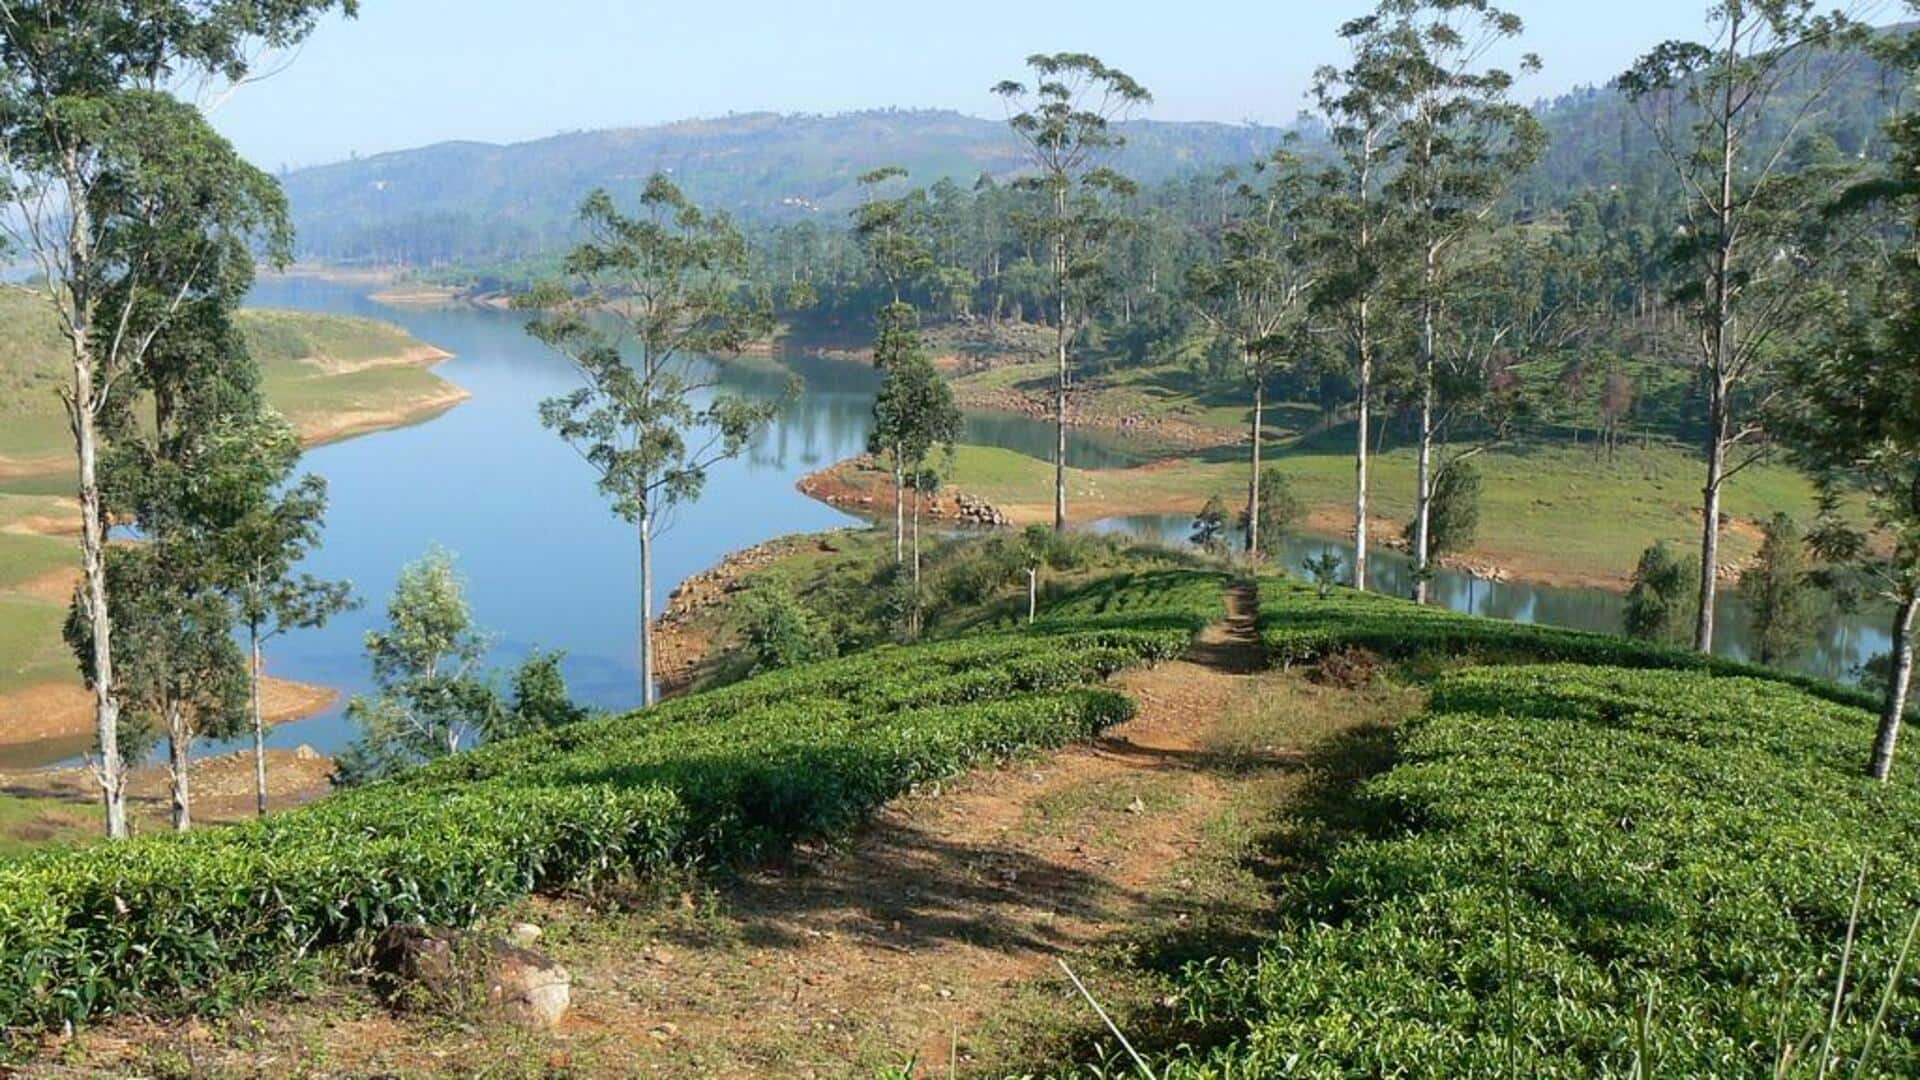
{"points": [[193, 920], [1559, 844], [1297, 625]]}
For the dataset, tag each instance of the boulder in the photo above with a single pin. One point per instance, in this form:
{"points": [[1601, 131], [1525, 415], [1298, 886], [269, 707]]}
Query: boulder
{"points": [[526, 987], [414, 964]]}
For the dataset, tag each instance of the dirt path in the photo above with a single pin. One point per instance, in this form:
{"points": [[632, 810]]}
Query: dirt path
{"points": [[928, 932], [918, 928]]}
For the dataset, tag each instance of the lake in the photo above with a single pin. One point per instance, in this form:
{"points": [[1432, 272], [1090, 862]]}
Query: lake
{"points": [[548, 565]]}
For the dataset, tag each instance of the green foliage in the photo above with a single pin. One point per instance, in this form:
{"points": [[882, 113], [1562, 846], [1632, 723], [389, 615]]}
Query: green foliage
{"points": [[1555, 846], [1210, 526], [1300, 625], [203, 919], [1661, 602], [1453, 515], [1779, 591], [1281, 511], [781, 632], [432, 696], [540, 698]]}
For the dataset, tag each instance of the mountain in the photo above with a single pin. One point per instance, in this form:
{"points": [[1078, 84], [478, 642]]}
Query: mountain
{"points": [[468, 200]]}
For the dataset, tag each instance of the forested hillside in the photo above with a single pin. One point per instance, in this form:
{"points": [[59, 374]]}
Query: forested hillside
{"points": [[474, 201]]}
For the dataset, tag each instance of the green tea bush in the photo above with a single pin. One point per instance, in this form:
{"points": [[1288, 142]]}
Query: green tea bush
{"points": [[736, 772], [1562, 846], [1298, 625]]}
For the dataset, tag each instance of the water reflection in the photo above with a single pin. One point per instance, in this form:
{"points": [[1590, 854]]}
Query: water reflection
{"points": [[1843, 644]]}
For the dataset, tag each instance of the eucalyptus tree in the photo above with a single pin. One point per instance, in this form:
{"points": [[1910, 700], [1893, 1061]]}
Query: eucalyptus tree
{"points": [[98, 161], [1727, 114], [182, 676], [1851, 417], [914, 415], [1064, 121], [272, 521], [886, 229], [1253, 291], [896, 252], [643, 297], [1352, 231], [432, 697], [1462, 142]]}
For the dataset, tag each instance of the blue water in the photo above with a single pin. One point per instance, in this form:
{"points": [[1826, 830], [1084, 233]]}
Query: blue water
{"points": [[1844, 641], [547, 564]]}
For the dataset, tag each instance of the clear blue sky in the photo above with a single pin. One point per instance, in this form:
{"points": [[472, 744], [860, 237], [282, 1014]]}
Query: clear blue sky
{"points": [[411, 72]]}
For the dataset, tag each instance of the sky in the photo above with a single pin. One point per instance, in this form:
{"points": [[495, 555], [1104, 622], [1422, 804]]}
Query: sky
{"points": [[406, 73]]}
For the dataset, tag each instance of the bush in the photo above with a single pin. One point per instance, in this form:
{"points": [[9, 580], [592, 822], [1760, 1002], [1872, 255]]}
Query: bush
{"points": [[1558, 844], [1297, 625], [194, 920], [781, 632]]}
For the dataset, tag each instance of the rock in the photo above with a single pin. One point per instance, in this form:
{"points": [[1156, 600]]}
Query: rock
{"points": [[523, 935], [526, 987], [413, 964], [303, 752]]}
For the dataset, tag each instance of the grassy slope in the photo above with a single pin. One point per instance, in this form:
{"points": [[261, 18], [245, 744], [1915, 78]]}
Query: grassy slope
{"points": [[1542, 509], [1553, 513], [315, 368]]}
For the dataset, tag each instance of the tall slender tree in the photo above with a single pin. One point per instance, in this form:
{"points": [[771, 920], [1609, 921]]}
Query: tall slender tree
{"points": [[271, 523], [642, 298], [1065, 124], [1727, 113], [1462, 143], [884, 226], [1353, 232], [1253, 291], [89, 141]]}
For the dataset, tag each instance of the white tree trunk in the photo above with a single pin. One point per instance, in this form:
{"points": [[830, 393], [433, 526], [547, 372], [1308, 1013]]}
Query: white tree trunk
{"points": [[648, 693], [899, 508], [111, 771], [1710, 524], [179, 742], [1253, 482], [1893, 712], [259, 727], [1360, 464], [1033, 592]]}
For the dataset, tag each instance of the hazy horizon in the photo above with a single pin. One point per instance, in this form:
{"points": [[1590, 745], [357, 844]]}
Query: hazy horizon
{"points": [[403, 76]]}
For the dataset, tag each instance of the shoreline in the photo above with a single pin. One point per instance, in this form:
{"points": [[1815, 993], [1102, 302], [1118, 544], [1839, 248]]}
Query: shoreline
{"points": [[857, 486]]}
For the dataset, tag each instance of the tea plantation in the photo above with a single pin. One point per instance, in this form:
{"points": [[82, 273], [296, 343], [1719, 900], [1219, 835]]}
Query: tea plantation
{"points": [[1581, 871], [220, 915]]}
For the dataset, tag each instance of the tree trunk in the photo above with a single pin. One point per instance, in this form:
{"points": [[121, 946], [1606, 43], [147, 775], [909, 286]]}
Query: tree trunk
{"points": [[1423, 474], [111, 772], [259, 726], [916, 561], [1253, 482], [1710, 523], [179, 740], [899, 508], [1060, 381], [1360, 463], [647, 690], [1893, 712], [1033, 592]]}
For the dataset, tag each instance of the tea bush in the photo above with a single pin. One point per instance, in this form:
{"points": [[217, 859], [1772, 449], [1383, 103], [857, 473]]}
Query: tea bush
{"points": [[1297, 625], [1558, 846], [213, 915]]}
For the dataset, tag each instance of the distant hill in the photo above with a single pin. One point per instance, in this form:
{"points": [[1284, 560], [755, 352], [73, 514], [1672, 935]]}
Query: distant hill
{"points": [[475, 202], [461, 200], [465, 200]]}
